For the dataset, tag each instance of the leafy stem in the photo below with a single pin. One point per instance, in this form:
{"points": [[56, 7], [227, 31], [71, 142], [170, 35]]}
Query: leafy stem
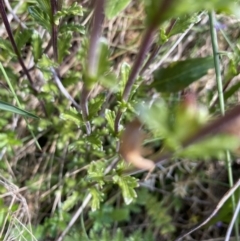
{"points": [[143, 50]]}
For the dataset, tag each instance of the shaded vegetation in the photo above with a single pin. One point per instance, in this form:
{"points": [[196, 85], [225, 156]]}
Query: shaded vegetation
{"points": [[73, 75]]}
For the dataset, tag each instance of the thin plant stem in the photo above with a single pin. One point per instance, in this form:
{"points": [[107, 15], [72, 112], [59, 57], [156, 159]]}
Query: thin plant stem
{"points": [[75, 217], [221, 101], [233, 221], [157, 47], [63, 89], [145, 45], [93, 58], [147, 41], [14, 45]]}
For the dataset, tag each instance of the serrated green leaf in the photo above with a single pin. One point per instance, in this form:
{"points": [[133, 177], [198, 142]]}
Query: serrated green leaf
{"points": [[70, 201], [180, 74], [44, 5], [95, 105], [64, 43], [163, 37], [125, 70], [95, 141], [37, 46], [96, 172], [41, 17], [16, 110], [72, 115], [74, 9], [6, 45], [45, 63], [127, 185], [110, 117], [22, 37], [97, 198], [72, 27], [114, 7]]}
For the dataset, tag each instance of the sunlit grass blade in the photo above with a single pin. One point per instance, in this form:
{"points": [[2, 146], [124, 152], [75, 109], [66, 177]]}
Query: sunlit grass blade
{"points": [[16, 110]]}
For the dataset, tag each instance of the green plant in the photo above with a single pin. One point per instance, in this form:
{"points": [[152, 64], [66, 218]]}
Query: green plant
{"points": [[80, 69]]}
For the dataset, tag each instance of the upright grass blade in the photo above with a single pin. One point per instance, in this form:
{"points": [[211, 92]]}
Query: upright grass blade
{"points": [[16, 110], [221, 100], [18, 103]]}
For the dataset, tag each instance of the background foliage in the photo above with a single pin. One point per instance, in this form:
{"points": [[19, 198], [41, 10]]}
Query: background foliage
{"points": [[73, 75]]}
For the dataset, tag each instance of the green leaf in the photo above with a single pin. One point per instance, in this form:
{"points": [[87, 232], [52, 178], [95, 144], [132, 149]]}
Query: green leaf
{"points": [[103, 53], [44, 65], [22, 37], [64, 43], [45, 6], [215, 146], [9, 140], [46, 62], [125, 70], [127, 184], [194, 116], [96, 172], [233, 89], [109, 81], [102, 67], [183, 23], [75, 10], [180, 74], [37, 46], [41, 17], [72, 27], [16, 110], [177, 8], [120, 214], [97, 197], [95, 105], [6, 45], [70, 201], [156, 118], [95, 141], [113, 7], [110, 117], [163, 38], [72, 115]]}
